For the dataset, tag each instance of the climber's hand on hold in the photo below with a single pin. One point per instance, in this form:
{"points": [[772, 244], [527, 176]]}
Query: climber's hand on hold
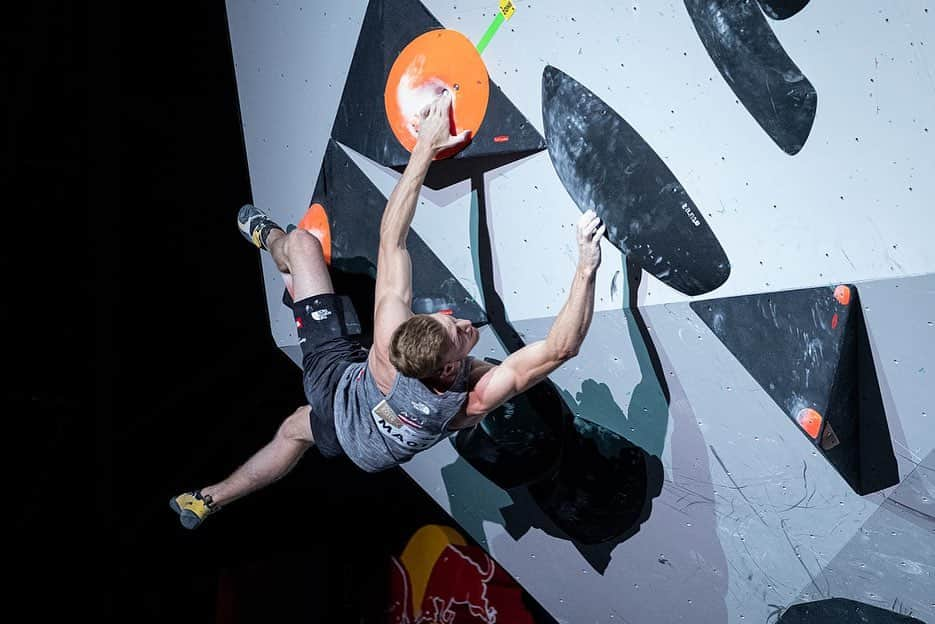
{"points": [[435, 125], [590, 232]]}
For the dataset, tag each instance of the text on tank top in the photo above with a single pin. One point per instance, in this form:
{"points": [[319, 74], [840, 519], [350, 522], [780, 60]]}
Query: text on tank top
{"points": [[379, 431]]}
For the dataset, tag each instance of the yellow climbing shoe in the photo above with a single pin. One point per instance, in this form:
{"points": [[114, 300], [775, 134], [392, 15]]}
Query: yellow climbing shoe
{"points": [[192, 508]]}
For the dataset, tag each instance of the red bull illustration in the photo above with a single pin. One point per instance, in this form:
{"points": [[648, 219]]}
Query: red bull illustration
{"points": [[441, 579]]}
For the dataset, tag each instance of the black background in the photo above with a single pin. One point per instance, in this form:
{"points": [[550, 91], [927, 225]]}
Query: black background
{"points": [[138, 352]]}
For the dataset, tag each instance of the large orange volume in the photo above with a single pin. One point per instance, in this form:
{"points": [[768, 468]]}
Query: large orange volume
{"points": [[431, 63]]}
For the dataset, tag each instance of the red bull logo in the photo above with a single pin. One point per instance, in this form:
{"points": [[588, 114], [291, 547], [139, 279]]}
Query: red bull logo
{"points": [[440, 579], [459, 592]]}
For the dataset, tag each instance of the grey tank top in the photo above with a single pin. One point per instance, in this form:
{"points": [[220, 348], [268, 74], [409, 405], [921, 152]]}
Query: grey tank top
{"points": [[379, 431]]}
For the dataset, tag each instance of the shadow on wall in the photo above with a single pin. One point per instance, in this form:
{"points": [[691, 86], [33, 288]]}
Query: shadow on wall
{"points": [[571, 478], [594, 487]]}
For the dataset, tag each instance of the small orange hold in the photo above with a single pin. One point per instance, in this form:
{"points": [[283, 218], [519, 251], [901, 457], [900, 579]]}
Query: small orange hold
{"points": [[834, 321], [843, 294], [316, 222], [810, 421]]}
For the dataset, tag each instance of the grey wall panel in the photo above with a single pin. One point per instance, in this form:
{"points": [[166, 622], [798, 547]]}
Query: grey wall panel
{"points": [[749, 514], [891, 560]]}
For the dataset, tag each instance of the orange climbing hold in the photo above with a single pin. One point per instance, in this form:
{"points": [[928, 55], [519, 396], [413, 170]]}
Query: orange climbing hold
{"points": [[810, 421], [431, 63], [316, 222], [843, 294]]}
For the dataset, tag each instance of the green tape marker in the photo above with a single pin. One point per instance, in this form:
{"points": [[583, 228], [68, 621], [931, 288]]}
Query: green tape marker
{"points": [[506, 12], [491, 31]]}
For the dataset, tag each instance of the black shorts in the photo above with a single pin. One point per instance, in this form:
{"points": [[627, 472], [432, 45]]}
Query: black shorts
{"points": [[327, 351]]}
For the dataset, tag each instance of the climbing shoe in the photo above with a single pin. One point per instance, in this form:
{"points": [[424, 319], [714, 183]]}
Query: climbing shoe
{"points": [[192, 508], [255, 225]]}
